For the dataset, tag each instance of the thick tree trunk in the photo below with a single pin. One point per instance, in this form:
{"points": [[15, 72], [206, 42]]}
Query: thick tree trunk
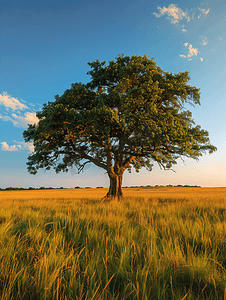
{"points": [[115, 189]]}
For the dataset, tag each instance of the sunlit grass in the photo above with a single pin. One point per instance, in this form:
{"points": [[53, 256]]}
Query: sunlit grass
{"points": [[161, 243]]}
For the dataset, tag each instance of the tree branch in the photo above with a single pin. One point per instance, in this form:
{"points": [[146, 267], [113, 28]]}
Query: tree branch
{"points": [[127, 162], [90, 158]]}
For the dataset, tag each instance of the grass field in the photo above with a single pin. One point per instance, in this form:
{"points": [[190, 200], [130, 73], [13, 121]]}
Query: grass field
{"points": [[158, 243]]}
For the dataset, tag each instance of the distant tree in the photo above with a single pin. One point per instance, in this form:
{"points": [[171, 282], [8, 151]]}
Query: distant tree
{"points": [[10, 188], [130, 114]]}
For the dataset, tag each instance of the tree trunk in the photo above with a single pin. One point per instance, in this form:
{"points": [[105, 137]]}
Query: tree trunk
{"points": [[115, 189]]}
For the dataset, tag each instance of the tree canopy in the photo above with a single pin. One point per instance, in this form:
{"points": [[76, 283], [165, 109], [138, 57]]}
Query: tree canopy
{"points": [[130, 114]]}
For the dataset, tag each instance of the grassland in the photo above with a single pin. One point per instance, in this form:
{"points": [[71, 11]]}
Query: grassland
{"points": [[160, 243]]}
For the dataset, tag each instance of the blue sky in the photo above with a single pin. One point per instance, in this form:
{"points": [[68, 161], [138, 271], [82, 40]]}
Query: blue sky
{"points": [[46, 45]]}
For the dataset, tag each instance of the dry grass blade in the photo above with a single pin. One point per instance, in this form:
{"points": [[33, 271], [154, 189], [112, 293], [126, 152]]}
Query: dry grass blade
{"points": [[158, 243]]}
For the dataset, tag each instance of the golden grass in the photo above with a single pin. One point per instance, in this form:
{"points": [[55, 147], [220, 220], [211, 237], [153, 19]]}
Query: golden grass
{"points": [[163, 243], [93, 193], [53, 194]]}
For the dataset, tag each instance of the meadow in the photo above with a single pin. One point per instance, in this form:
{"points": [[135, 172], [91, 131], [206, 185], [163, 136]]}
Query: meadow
{"points": [[157, 243]]}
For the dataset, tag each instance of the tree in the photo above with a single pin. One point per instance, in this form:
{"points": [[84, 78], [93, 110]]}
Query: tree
{"points": [[130, 114]]}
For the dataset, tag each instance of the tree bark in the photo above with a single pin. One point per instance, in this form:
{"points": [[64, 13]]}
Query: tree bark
{"points": [[115, 188]]}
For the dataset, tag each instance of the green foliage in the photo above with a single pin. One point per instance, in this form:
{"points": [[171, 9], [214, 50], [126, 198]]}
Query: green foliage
{"points": [[130, 114]]}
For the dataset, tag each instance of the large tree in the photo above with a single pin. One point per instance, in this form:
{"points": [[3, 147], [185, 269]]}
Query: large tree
{"points": [[130, 114]]}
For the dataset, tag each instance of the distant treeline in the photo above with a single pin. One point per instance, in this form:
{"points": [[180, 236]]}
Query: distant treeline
{"points": [[88, 187]]}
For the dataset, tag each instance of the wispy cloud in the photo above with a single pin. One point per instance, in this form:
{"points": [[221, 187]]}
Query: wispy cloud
{"points": [[18, 146], [6, 118], [14, 112], [203, 11], [6, 147], [177, 15], [204, 41], [174, 13], [20, 115], [191, 51], [25, 146], [11, 102], [23, 121]]}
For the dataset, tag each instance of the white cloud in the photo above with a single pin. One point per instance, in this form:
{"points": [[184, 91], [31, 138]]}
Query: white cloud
{"points": [[25, 146], [19, 146], [23, 121], [11, 102], [204, 11], [175, 14], [6, 147], [30, 147], [6, 118], [204, 41], [192, 51], [178, 16], [220, 38], [12, 111]]}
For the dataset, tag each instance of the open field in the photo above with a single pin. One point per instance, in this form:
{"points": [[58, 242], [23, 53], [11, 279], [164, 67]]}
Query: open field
{"points": [[158, 243]]}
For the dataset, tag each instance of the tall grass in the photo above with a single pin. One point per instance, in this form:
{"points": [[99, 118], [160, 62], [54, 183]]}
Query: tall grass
{"points": [[165, 243]]}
